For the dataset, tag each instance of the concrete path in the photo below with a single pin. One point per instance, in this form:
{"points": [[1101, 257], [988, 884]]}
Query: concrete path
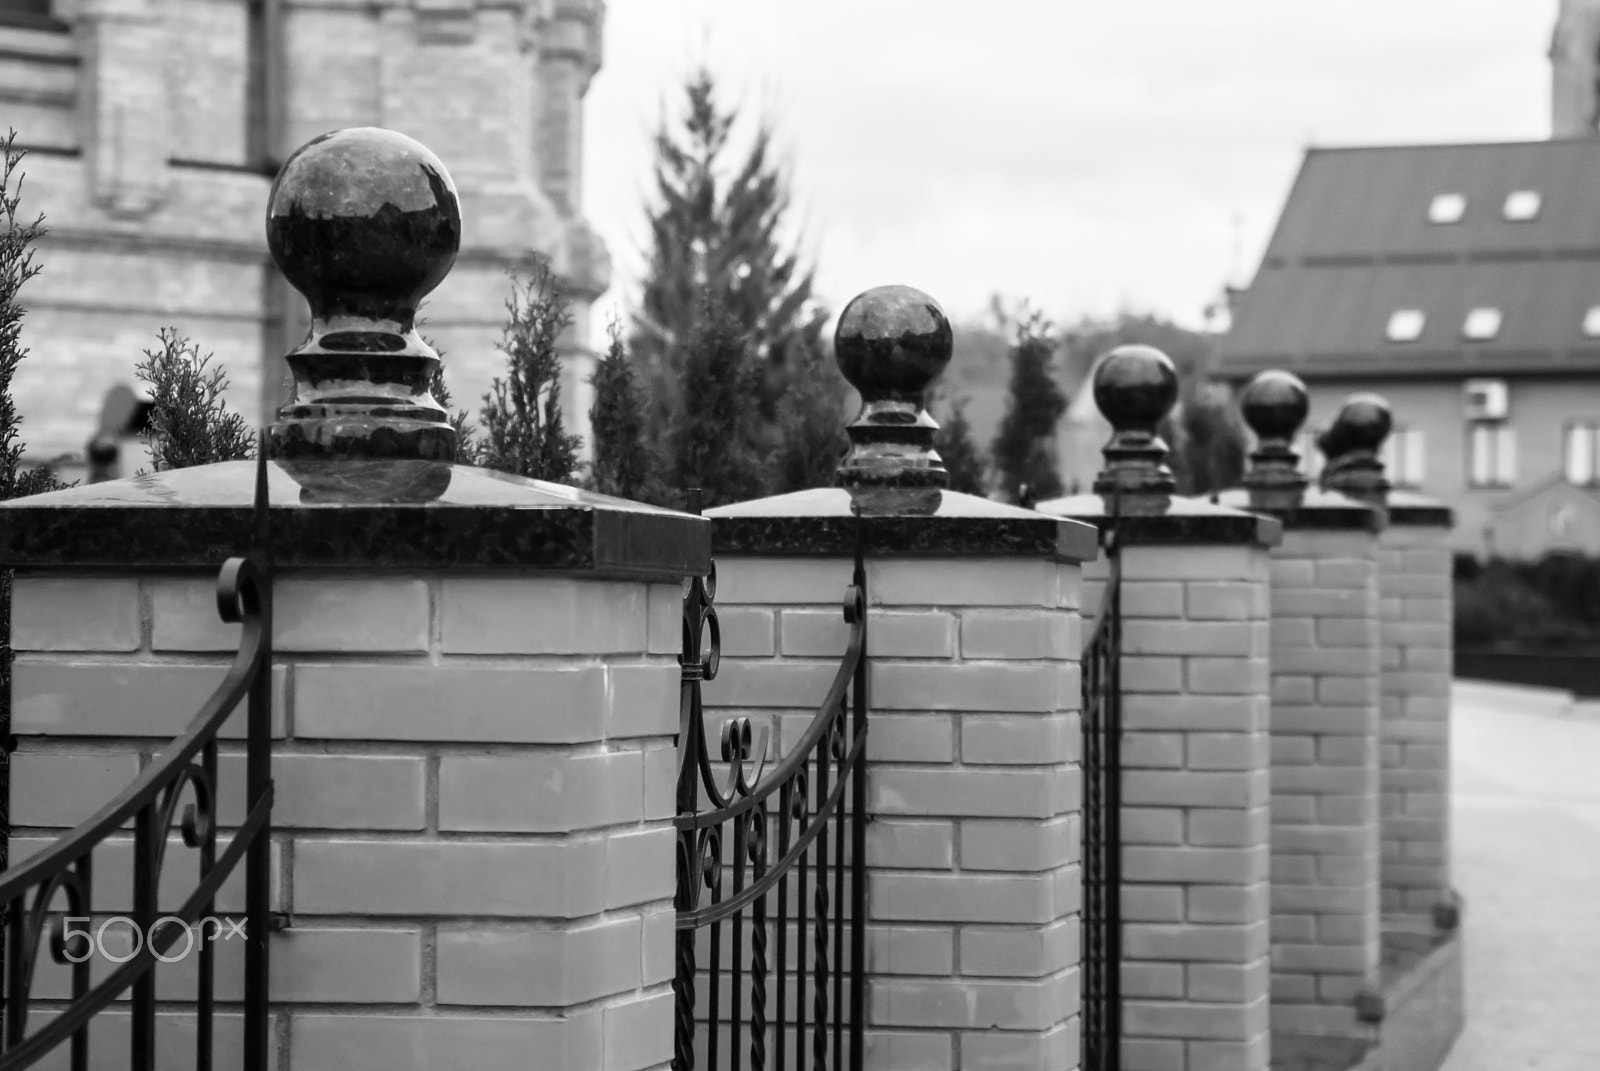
{"points": [[1527, 862]]}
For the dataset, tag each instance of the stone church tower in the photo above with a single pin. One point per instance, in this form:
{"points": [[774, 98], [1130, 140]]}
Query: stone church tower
{"points": [[155, 128], [1575, 70]]}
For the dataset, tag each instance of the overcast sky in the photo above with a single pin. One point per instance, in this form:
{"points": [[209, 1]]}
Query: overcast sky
{"points": [[1090, 155]]}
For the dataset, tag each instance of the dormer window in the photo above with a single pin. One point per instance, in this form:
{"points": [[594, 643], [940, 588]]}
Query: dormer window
{"points": [[1481, 325], [1591, 322], [1406, 325], [1522, 206], [1447, 208]]}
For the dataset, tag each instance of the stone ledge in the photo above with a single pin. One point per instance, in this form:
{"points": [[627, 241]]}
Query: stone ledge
{"points": [[819, 522], [483, 520], [1318, 510], [1419, 511], [1181, 522]]}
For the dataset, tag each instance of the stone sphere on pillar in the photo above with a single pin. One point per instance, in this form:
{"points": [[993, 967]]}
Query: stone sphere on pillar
{"points": [[364, 222], [1135, 387], [1275, 404], [892, 342]]}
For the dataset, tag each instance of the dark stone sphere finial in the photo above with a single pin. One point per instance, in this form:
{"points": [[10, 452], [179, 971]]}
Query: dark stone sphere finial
{"points": [[1135, 387], [1352, 446], [364, 222], [892, 342], [1275, 404]]}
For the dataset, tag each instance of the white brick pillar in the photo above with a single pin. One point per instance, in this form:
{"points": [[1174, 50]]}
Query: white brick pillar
{"points": [[1325, 667], [973, 745], [1195, 760], [474, 759], [1418, 662]]}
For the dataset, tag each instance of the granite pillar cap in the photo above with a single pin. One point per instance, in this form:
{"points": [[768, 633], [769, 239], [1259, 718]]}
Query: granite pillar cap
{"points": [[1274, 405], [364, 222], [892, 342], [1135, 387], [1352, 446]]}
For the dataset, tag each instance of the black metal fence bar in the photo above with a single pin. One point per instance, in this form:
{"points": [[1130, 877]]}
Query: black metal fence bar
{"points": [[186, 770], [1102, 823], [815, 797]]}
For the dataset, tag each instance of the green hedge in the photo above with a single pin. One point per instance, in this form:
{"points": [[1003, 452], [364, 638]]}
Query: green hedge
{"points": [[1550, 604]]}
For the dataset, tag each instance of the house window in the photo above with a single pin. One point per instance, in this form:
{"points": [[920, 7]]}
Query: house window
{"points": [[1481, 325], [1403, 457], [1491, 455], [1310, 456], [1447, 208], [1406, 325], [1591, 322], [1523, 205], [1579, 453]]}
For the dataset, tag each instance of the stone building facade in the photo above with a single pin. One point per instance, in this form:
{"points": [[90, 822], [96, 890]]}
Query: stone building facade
{"points": [[154, 132]]}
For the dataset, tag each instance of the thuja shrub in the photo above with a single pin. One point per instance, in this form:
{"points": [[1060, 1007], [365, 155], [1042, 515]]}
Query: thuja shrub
{"points": [[189, 422]]}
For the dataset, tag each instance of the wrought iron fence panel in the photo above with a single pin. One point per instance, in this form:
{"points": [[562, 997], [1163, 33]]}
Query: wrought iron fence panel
{"points": [[177, 791], [1102, 820], [750, 833]]}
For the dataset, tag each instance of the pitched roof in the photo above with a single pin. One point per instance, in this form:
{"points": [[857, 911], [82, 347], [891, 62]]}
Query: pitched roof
{"points": [[1355, 244]]}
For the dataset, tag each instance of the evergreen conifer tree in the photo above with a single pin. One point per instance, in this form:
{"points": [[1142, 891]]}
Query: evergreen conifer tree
{"points": [[811, 416], [17, 266], [717, 230], [713, 442], [962, 458], [521, 414], [1023, 448], [623, 463]]}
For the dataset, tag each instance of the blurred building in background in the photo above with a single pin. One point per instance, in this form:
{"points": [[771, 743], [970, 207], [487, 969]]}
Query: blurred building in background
{"points": [[155, 129], [1463, 283]]}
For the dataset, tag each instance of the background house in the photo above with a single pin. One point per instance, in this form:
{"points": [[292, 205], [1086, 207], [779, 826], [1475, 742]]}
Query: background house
{"points": [[1463, 283], [154, 133]]}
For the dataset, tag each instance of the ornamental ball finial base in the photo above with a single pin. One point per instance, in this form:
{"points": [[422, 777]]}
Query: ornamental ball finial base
{"points": [[364, 222], [892, 342]]}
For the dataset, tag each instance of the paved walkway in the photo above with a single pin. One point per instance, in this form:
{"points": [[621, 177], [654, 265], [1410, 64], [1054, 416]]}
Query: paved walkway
{"points": [[1527, 862]]}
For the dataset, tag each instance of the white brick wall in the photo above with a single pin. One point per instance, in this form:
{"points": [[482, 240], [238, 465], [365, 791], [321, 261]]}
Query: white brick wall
{"points": [[1195, 820], [472, 827], [1417, 665], [974, 787], [1325, 931]]}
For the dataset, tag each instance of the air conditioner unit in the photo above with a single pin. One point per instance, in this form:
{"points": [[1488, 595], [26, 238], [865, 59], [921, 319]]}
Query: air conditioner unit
{"points": [[1487, 399]]}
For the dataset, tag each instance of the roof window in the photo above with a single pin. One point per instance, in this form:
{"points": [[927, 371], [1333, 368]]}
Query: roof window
{"points": [[1447, 208], [1591, 322], [1481, 325], [1523, 205], [1406, 325]]}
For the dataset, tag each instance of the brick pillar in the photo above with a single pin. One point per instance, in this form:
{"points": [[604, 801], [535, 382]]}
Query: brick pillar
{"points": [[474, 763], [973, 746], [1325, 849], [1418, 656], [1195, 822]]}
